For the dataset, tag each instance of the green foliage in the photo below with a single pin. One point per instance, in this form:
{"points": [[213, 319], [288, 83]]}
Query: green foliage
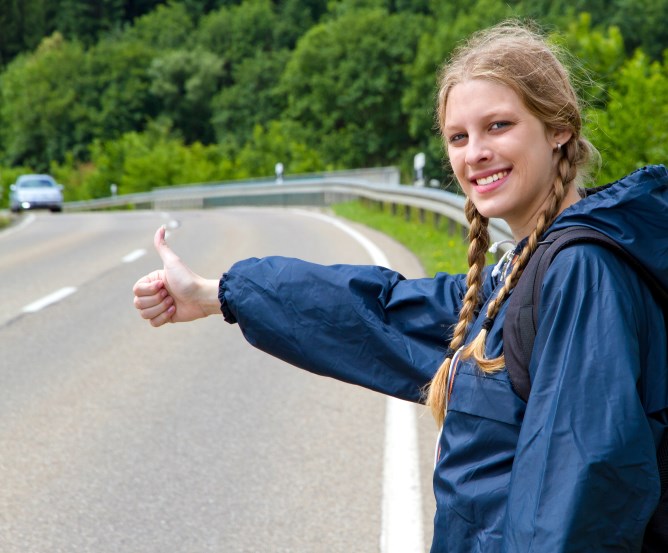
{"points": [[279, 142], [23, 24], [117, 89], [39, 104], [595, 57], [61, 98], [631, 131], [643, 25], [559, 12], [168, 27], [238, 32], [343, 84], [85, 21], [437, 250], [8, 176], [233, 86], [252, 100], [294, 18], [184, 81], [138, 162]]}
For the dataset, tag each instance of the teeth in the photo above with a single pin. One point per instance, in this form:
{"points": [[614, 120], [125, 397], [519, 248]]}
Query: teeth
{"points": [[491, 178]]}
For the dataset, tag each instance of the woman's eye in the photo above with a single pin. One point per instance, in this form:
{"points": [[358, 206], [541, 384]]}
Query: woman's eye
{"points": [[497, 125], [456, 138]]}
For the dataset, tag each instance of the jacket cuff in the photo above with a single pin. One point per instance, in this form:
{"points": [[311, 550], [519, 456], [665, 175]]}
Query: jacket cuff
{"points": [[224, 307]]}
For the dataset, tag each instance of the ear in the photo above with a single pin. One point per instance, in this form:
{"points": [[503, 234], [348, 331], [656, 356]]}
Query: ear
{"points": [[559, 136]]}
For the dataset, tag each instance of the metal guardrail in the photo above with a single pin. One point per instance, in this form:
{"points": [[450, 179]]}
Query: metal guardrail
{"points": [[318, 191]]}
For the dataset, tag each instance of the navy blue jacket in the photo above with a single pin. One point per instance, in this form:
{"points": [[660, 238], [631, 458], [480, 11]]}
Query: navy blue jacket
{"points": [[574, 469]]}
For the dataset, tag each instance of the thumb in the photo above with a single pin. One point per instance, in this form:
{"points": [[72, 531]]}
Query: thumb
{"points": [[164, 251]]}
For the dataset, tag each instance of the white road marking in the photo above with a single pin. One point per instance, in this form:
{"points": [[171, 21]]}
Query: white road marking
{"points": [[133, 256], [56, 296], [402, 526]]}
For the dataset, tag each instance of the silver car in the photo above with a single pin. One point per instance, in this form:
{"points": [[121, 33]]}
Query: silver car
{"points": [[35, 191]]}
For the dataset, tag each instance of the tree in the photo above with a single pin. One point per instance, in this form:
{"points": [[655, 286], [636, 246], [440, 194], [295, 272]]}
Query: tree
{"points": [[595, 57], [643, 25], [344, 83], [277, 142], [294, 18], [86, 21], [23, 24], [237, 32], [631, 131], [136, 8], [252, 100], [39, 104], [184, 81], [138, 162], [168, 27], [117, 89]]}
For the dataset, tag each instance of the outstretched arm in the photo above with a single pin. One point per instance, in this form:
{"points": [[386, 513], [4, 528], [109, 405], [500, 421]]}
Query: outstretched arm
{"points": [[174, 293]]}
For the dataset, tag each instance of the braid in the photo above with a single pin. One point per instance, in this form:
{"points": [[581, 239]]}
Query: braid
{"points": [[478, 246], [565, 175]]}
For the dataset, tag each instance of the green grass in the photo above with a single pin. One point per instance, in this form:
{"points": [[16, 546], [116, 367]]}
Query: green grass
{"points": [[5, 220], [434, 246]]}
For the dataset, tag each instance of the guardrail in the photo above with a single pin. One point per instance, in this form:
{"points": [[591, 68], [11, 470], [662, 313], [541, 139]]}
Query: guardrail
{"points": [[318, 191]]}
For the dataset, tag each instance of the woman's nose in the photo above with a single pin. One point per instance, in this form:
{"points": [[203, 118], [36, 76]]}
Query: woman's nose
{"points": [[477, 151]]}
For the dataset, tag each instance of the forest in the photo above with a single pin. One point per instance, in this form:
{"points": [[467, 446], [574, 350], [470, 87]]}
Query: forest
{"points": [[150, 93]]}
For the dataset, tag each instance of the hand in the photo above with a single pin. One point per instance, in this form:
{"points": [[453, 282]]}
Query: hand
{"points": [[174, 293]]}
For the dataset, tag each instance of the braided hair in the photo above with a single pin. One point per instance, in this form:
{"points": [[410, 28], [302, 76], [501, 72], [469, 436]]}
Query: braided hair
{"points": [[516, 56]]}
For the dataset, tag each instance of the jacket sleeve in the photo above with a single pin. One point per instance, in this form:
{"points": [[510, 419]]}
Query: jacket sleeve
{"points": [[360, 324], [585, 473]]}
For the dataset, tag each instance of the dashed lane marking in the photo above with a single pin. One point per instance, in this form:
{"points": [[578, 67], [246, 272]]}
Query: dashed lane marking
{"points": [[133, 256], [52, 298]]}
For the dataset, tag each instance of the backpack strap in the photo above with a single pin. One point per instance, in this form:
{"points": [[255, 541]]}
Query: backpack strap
{"points": [[521, 320]]}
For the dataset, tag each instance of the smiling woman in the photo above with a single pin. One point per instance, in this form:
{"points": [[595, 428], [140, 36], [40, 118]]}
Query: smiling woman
{"points": [[502, 155], [573, 468]]}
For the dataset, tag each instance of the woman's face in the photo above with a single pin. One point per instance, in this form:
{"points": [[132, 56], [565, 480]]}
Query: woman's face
{"points": [[503, 156]]}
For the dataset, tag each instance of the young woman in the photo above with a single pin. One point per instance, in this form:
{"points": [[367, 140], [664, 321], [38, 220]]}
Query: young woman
{"points": [[572, 469]]}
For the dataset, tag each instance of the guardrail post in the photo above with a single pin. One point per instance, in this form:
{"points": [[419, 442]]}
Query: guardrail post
{"points": [[452, 227], [407, 213], [437, 219]]}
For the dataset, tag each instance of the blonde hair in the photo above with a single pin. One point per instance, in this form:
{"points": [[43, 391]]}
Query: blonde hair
{"points": [[514, 55]]}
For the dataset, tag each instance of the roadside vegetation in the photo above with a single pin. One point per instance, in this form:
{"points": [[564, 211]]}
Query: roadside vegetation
{"points": [[436, 247], [166, 92], [4, 221]]}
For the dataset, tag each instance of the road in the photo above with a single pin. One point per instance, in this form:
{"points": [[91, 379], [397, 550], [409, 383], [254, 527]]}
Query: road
{"points": [[118, 437]]}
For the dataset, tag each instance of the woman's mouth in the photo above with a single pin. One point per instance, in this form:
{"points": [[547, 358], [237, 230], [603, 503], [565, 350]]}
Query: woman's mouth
{"points": [[491, 178]]}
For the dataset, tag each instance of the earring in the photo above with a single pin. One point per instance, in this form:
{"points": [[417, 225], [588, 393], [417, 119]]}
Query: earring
{"points": [[558, 148]]}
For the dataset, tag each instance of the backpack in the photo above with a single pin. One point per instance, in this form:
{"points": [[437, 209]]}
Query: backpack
{"points": [[519, 333]]}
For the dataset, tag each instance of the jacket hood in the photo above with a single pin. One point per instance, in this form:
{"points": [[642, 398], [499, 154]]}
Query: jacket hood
{"points": [[633, 211]]}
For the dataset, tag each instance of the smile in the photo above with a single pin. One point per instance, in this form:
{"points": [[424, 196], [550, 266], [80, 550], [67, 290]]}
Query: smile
{"points": [[492, 178]]}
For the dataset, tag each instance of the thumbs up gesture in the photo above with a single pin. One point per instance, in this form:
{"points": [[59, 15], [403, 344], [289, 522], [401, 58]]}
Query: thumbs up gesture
{"points": [[174, 293]]}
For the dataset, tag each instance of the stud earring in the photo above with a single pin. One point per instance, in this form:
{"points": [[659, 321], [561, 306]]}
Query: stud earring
{"points": [[558, 148]]}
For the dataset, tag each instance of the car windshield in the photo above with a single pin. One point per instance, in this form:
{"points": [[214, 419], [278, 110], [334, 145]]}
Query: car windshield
{"points": [[36, 183]]}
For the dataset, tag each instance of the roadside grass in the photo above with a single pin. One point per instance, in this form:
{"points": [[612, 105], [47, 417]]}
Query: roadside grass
{"points": [[440, 246], [5, 220]]}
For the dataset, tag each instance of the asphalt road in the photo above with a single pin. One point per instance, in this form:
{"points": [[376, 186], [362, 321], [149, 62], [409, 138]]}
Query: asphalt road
{"points": [[118, 437]]}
